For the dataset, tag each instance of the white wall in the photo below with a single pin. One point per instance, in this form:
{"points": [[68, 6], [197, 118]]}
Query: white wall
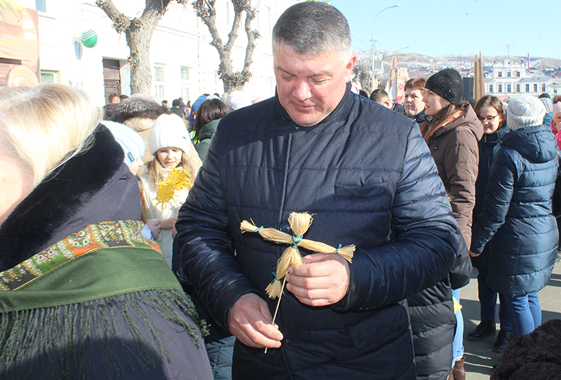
{"points": [[180, 39]]}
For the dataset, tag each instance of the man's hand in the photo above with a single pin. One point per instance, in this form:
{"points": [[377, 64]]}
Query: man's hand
{"points": [[321, 281], [474, 254], [250, 321]]}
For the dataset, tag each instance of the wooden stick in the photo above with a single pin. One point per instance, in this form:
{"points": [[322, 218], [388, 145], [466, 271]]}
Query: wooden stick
{"points": [[278, 304]]}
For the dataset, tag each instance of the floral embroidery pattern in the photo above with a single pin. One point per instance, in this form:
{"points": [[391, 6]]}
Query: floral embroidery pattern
{"points": [[104, 235]]}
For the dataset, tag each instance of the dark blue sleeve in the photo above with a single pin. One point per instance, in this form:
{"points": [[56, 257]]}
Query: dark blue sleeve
{"points": [[427, 238], [498, 195], [203, 249]]}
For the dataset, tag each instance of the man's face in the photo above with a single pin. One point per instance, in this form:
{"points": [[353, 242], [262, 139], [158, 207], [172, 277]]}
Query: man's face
{"points": [[310, 87], [413, 101]]}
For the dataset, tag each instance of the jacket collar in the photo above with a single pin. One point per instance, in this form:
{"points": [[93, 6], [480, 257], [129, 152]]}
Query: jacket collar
{"points": [[341, 112], [75, 195], [468, 118], [496, 137]]}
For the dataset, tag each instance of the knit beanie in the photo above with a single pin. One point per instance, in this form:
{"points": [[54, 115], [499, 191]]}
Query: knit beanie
{"points": [[131, 142], [447, 84], [169, 131], [524, 111], [547, 103], [236, 100]]}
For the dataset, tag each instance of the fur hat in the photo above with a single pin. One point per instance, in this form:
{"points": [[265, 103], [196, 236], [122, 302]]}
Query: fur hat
{"points": [[524, 111], [236, 100], [169, 131], [131, 142], [448, 85]]}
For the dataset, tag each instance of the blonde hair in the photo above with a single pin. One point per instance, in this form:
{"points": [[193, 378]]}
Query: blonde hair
{"points": [[46, 125], [156, 171]]}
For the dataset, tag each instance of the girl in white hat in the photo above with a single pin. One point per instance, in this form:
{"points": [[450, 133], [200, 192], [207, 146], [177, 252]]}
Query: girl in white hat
{"points": [[171, 146]]}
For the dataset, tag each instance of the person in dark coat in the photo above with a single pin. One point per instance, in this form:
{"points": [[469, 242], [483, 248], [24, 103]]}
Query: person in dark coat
{"points": [[517, 221], [492, 114], [208, 116], [82, 294], [452, 136], [365, 174]]}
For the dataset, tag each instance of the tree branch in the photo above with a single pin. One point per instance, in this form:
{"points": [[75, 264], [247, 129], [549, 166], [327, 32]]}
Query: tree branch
{"points": [[120, 21], [252, 35]]}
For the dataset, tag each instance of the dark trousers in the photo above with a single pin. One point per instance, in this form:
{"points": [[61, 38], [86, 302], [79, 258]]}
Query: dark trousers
{"points": [[488, 302]]}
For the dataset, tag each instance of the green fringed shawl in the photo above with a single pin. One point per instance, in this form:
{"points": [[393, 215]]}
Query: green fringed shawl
{"points": [[71, 293]]}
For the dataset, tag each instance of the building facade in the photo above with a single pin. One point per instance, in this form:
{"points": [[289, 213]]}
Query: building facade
{"points": [[183, 62], [511, 78]]}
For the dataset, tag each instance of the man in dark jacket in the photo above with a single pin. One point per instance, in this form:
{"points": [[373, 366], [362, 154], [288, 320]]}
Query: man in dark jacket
{"points": [[366, 175]]}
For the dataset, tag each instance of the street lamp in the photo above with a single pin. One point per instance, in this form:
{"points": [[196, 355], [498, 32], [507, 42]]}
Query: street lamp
{"points": [[374, 44]]}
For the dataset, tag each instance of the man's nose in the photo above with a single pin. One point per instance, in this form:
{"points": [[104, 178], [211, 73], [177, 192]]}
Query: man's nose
{"points": [[302, 91]]}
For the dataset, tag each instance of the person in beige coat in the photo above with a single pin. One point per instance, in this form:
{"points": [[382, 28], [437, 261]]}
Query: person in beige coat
{"points": [[171, 147]]}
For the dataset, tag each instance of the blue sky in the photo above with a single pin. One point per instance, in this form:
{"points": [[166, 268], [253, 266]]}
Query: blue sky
{"points": [[442, 27]]}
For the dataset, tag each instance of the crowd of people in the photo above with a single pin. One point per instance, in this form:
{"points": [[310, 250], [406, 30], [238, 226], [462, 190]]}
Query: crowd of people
{"points": [[100, 278]]}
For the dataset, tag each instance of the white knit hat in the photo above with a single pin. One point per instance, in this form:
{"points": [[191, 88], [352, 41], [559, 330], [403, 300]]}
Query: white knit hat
{"points": [[133, 145], [168, 131], [237, 100], [524, 111]]}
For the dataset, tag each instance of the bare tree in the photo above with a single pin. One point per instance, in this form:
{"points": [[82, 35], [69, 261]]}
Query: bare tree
{"points": [[206, 11], [363, 75], [138, 32]]}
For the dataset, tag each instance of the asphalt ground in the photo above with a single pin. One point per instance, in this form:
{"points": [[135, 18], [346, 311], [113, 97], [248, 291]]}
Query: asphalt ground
{"points": [[479, 356]]}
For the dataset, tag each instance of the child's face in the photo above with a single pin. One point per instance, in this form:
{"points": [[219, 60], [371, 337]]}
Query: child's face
{"points": [[135, 166], [169, 157]]}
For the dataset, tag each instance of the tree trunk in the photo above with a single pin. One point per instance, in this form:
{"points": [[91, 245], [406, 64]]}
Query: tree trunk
{"points": [[138, 39]]}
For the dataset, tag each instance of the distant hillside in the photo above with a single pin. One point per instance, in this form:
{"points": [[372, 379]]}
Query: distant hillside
{"points": [[423, 63]]}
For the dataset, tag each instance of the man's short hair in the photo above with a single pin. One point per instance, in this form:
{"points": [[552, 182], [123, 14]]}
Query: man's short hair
{"points": [[312, 28], [379, 96], [415, 84]]}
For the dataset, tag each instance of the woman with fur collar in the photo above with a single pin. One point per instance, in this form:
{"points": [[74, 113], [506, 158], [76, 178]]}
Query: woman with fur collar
{"points": [[82, 293]]}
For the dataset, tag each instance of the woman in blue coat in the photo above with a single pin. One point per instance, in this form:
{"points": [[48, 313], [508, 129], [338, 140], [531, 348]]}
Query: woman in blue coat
{"points": [[492, 114], [517, 214]]}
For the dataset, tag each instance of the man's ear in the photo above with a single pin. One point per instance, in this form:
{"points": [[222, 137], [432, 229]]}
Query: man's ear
{"points": [[349, 67]]}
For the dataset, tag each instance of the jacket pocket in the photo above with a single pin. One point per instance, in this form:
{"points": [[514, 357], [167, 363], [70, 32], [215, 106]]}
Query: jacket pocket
{"points": [[360, 191]]}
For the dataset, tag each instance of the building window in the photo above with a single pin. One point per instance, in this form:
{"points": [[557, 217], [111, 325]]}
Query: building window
{"points": [[491, 88], [508, 87], [185, 94], [500, 88], [500, 74], [517, 88], [535, 87], [527, 87], [159, 81], [48, 77], [508, 74], [184, 73], [518, 74], [544, 87], [41, 5]]}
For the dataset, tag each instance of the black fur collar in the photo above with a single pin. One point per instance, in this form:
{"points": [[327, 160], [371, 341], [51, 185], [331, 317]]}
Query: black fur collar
{"points": [[62, 203]]}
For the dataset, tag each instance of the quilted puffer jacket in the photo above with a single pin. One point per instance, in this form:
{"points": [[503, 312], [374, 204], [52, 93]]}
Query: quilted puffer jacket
{"points": [[517, 213], [367, 177]]}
